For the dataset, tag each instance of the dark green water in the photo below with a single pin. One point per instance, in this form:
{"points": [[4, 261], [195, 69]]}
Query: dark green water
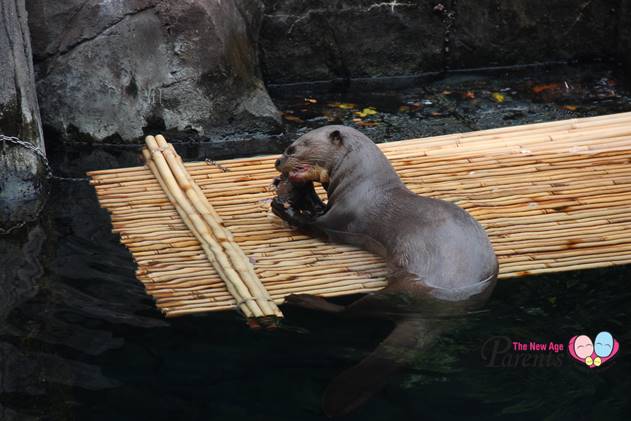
{"points": [[80, 340]]}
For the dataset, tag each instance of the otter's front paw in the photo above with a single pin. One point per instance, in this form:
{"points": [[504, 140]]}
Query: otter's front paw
{"points": [[279, 207], [286, 212]]}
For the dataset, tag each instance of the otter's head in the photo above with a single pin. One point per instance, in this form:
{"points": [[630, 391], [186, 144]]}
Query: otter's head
{"points": [[312, 156]]}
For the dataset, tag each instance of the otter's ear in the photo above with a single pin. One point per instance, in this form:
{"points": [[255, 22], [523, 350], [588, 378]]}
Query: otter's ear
{"points": [[336, 137]]}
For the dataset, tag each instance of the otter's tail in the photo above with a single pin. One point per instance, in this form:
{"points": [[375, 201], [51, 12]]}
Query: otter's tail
{"points": [[356, 385]]}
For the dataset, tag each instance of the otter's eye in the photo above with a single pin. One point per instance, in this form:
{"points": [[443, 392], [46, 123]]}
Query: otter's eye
{"points": [[290, 150]]}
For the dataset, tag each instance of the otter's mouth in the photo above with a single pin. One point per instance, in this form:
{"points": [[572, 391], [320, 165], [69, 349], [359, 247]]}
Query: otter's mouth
{"points": [[300, 173]]}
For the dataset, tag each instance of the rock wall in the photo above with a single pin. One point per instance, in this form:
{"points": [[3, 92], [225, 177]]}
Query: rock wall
{"points": [[21, 171], [19, 112], [323, 40], [111, 70]]}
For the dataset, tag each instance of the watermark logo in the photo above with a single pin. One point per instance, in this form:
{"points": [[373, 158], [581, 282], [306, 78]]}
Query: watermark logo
{"points": [[501, 351], [596, 353]]}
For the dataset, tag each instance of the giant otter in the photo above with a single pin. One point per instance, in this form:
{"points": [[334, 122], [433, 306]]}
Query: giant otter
{"points": [[440, 261]]}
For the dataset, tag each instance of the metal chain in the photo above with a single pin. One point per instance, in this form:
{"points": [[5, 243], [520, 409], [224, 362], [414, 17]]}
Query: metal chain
{"points": [[42, 156], [60, 178], [19, 225], [216, 164], [48, 176], [28, 145]]}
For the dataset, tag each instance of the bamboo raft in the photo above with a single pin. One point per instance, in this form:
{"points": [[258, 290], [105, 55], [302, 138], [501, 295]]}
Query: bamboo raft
{"points": [[552, 196]]}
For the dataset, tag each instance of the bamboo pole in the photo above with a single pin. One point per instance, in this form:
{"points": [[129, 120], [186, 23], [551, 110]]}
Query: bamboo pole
{"points": [[234, 252], [248, 309], [214, 239]]}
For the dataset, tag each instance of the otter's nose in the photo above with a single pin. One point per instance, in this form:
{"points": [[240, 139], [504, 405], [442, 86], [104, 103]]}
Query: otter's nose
{"points": [[277, 163]]}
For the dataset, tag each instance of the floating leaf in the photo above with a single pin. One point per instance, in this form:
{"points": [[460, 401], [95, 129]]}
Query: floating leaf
{"points": [[569, 107], [342, 105], [404, 109], [545, 87], [469, 95], [311, 100], [498, 97], [366, 112], [436, 114], [368, 123]]}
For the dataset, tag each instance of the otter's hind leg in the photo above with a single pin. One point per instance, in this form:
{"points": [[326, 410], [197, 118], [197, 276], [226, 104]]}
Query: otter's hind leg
{"points": [[313, 302], [374, 304], [351, 389]]}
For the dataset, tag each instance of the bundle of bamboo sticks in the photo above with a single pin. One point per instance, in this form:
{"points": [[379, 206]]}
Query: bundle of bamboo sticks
{"points": [[225, 255], [552, 197]]}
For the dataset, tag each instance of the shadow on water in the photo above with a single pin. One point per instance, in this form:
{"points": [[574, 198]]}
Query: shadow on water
{"points": [[80, 339]]}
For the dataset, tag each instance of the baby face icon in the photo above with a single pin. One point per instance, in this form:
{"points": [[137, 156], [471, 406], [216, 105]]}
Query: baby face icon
{"points": [[593, 354], [603, 344], [583, 346]]}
